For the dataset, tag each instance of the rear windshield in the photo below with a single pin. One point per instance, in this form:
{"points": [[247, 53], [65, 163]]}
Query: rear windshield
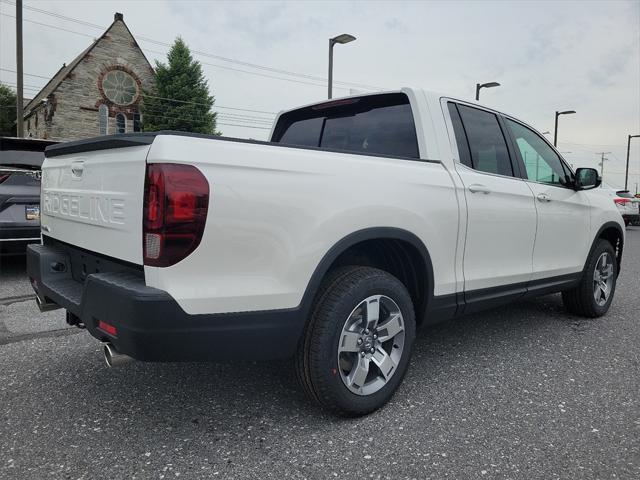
{"points": [[625, 194], [374, 125]]}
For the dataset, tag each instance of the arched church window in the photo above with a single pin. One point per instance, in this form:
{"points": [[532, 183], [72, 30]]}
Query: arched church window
{"points": [[103, 119], [121, 123]]}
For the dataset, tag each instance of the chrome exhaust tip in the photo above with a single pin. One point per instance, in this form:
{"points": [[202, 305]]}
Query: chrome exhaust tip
{"points": [[45, 306], [112, 357]]}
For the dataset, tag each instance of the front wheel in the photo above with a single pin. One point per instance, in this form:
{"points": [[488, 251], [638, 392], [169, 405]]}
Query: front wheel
{"points": [[358, 343], [594, 294]]}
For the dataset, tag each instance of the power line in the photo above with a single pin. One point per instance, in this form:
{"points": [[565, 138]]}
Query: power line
{"points": [[145, 95], [27, 74], [225, 120], [198, 52], [594, 144], [202, 62]]}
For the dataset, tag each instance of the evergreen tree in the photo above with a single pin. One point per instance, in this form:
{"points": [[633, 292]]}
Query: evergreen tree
{"points": [[180, 99], [7, 112]]}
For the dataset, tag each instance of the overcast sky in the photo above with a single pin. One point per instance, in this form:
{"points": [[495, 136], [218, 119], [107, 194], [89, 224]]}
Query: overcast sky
{"points": [[548, 56]]}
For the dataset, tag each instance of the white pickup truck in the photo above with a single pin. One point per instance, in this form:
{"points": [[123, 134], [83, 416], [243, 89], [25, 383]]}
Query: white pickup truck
{"points": [[362, 219]]}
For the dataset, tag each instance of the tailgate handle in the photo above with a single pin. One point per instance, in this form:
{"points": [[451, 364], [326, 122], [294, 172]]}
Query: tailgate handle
{"points": [[77, 168]]}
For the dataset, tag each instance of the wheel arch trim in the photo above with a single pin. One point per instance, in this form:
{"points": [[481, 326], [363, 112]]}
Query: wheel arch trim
{"points": [[373, 233], [603, 227]]}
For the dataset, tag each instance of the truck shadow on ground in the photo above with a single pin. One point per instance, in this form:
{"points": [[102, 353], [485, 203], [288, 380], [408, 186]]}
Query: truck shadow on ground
{"points": [[227, 396]]}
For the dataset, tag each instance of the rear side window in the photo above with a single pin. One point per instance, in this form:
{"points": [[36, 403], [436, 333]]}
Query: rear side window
{"points": [[461, 138], [487, 145], [374, 125]]}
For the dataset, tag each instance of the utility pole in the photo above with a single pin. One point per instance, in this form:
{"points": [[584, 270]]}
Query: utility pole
{"points": [[602, 154], [20, 79]]}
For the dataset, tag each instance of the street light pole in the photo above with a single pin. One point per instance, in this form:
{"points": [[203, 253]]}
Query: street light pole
{"points": [[19, 73], [555, 130], [626, 173], [344, 38], [484, 85]]}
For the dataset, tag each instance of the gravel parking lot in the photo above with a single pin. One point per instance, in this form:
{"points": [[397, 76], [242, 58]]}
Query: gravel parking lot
{"points": [[522, 392]]}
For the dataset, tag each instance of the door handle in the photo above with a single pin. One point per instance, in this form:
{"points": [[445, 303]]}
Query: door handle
{"points": [[543, 197], [477, 188]]}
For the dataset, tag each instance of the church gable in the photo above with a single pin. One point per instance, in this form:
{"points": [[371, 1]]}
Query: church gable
{"points": [[99, 93]]}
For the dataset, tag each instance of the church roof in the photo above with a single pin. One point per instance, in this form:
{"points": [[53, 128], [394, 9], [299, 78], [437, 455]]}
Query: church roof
{"points": [[65, 70]]}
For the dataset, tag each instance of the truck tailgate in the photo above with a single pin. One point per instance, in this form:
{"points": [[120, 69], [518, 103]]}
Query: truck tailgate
{"points": [[92, 198]]}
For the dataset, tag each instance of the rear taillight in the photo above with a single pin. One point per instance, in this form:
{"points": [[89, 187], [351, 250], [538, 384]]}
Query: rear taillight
{"points": [[4, 176], [621, 201], [176, 199]]}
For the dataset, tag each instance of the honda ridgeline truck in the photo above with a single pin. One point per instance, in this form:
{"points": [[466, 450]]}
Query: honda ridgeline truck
{"points": [[362, 219]]}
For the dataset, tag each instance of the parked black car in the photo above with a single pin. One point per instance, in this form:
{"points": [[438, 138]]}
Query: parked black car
{"points": [[20, 163]]}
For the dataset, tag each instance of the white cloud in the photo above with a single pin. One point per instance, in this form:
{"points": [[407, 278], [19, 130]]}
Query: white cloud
{"points": [[547, 55]]}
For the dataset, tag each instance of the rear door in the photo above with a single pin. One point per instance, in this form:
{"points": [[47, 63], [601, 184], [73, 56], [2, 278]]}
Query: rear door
{"points": [[501, 224], [93, 198], [564, 238]]}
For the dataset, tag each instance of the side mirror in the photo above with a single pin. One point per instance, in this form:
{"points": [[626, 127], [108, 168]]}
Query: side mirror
{"points": [[587, 178]]}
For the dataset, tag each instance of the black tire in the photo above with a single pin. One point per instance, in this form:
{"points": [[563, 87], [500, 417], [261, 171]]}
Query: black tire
{"points": [[317, 357], [581, 300]]}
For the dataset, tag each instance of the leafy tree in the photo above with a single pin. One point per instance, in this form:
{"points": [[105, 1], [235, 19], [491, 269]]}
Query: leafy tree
{"points": [[7, 111], [180, 99]]}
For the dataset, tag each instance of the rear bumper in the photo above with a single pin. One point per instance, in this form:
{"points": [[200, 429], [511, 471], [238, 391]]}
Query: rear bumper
{"points": [[14, 240], [633, 219], [150, 324], [20, 234]]}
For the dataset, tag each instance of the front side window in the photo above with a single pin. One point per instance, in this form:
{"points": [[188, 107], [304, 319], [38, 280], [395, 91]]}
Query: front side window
{"points": [[541, 162], [376, 125], [487, 145], [121, 123]]}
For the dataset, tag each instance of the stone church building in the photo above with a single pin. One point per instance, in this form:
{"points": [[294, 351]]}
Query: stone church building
{"points": [[98, 93]]}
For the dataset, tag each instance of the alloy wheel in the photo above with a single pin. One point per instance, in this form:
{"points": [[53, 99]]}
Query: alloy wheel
{"points": [[603, 279], [371, 345]]}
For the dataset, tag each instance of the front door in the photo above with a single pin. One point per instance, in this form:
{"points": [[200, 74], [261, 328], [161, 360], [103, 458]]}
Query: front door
{"points": [[563, 237]]}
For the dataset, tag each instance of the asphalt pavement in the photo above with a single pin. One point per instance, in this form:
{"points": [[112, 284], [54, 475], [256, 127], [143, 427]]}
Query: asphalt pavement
{"points": [[522, 392]]}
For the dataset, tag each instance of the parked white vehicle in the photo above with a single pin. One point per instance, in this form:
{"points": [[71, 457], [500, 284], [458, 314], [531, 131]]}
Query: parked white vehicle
{"points": [[363, 218], [628, 204]]}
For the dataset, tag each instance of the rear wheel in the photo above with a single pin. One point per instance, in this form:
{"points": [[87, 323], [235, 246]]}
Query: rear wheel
{"points": [[357, 346], [593, 296]]}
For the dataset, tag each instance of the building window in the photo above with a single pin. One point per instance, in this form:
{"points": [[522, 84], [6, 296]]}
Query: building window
{"points": [[103, 119], [137, 125], [36, 120], [120, 87], [121, 123]]}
